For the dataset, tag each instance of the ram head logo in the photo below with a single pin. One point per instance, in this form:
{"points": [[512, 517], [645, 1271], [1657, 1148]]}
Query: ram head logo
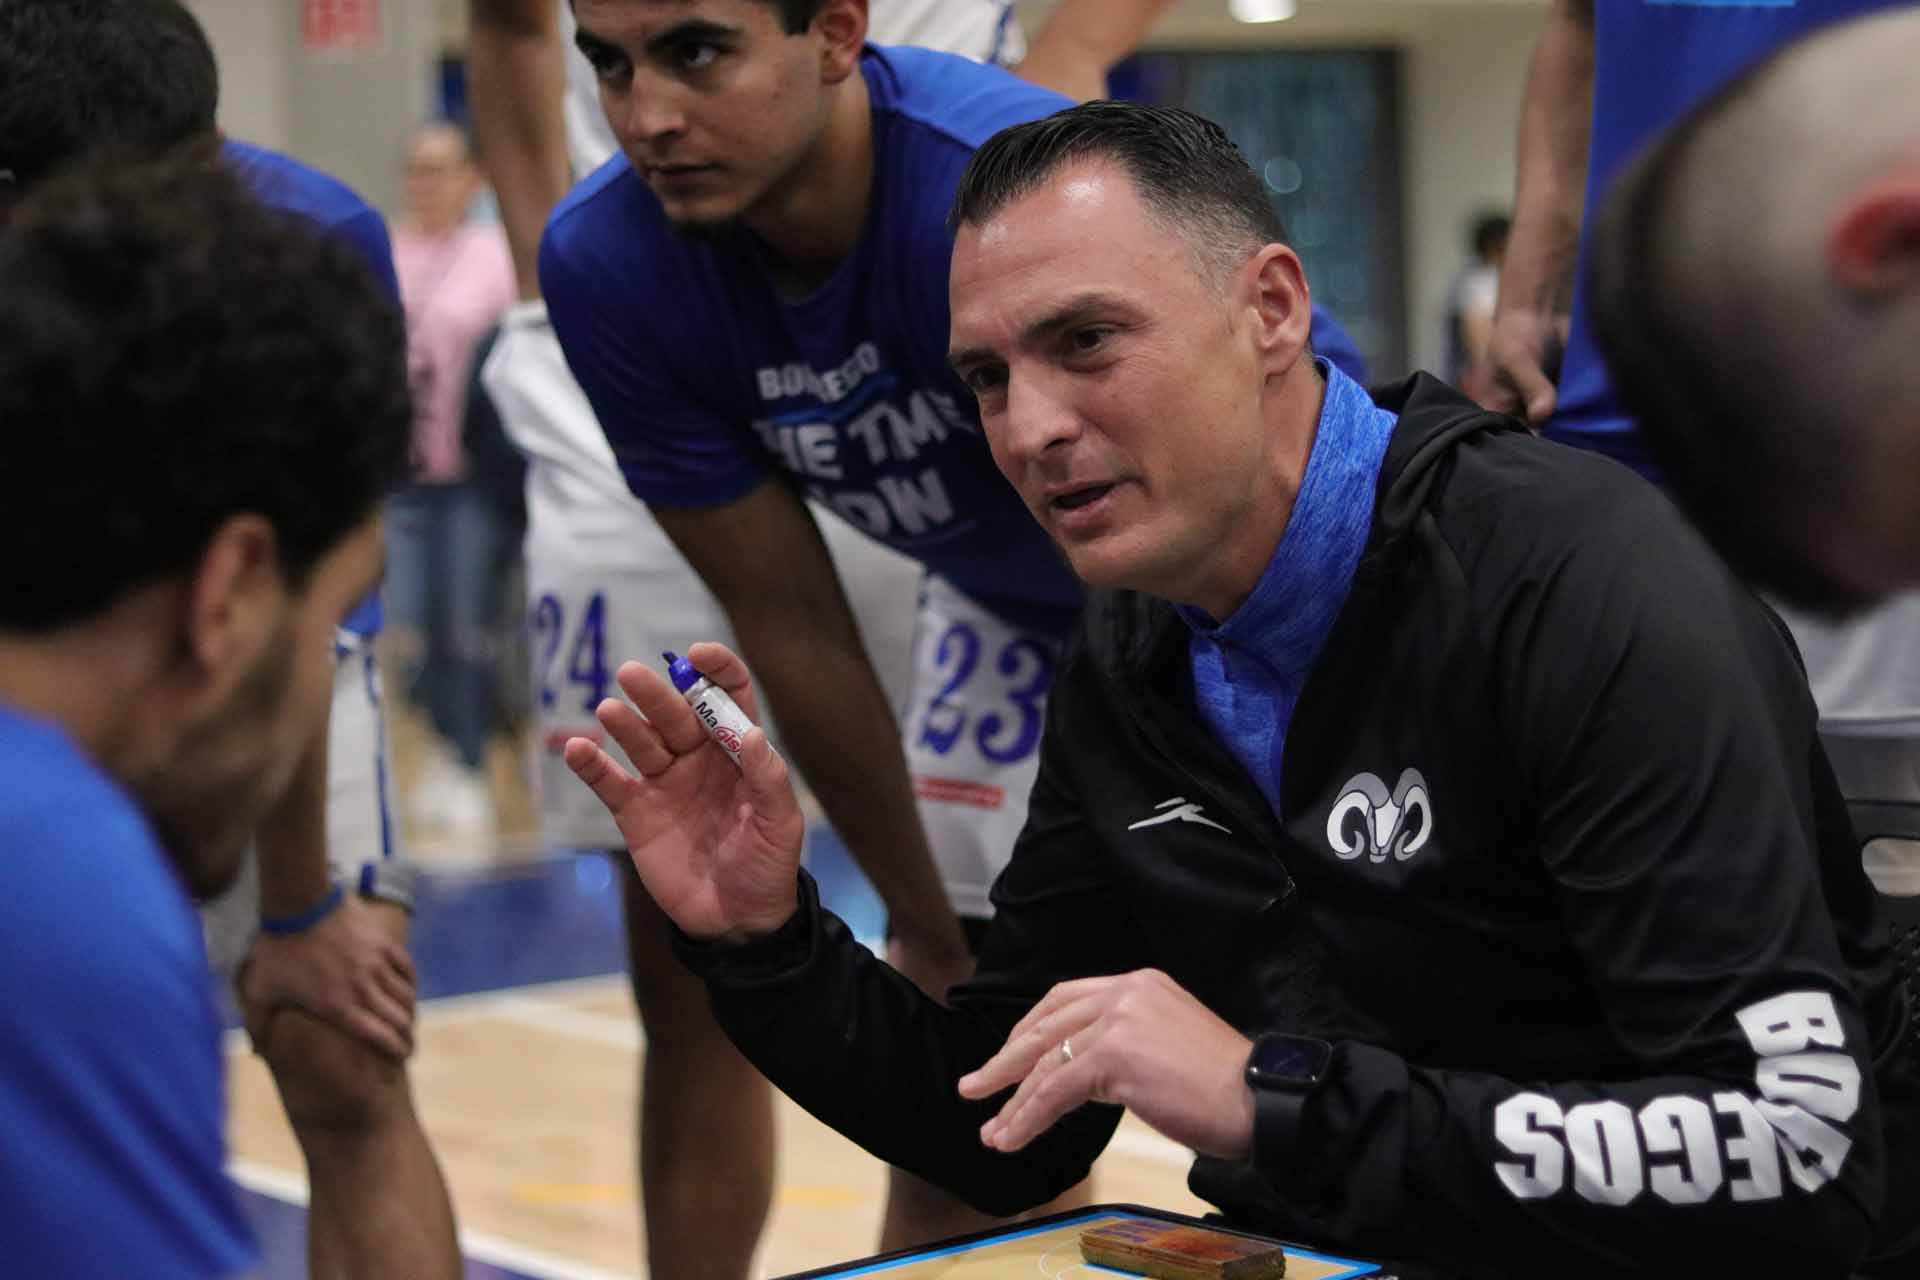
{"points": [[1369, 819]]}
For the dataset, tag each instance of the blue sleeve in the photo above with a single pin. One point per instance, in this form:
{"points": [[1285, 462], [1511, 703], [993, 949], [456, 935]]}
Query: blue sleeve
{"points": [[611, 311], [1337, 345], [366, 231], [111, 1098]]}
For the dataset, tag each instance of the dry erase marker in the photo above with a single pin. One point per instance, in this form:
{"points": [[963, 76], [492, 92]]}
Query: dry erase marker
{"points": [[725, 722]]}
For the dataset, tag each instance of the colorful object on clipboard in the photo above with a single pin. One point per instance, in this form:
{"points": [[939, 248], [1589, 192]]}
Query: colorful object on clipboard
{"points": [[1172, 1251]]}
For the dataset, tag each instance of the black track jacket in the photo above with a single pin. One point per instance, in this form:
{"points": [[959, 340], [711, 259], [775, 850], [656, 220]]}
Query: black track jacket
{"points": [[1563, 874]]}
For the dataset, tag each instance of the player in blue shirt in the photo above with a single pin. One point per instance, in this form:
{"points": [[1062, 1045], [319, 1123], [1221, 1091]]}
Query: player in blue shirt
{"points": [[200, 522], [754, 298], [140, 73], [603, 578]]}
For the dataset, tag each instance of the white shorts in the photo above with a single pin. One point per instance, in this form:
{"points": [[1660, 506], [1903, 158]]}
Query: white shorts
{"points": [[363, 841], [605, 584], [972, 735]]}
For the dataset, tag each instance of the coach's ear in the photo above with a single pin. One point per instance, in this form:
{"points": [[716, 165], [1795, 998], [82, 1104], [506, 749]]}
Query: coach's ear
{"points": [[235, 601], [1276, 286], [1874, 248]]}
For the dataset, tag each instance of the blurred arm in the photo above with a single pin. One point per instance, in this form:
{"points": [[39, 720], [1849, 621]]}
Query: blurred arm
{"points": [[1536, 280], [1082, 39], [519, 83]]}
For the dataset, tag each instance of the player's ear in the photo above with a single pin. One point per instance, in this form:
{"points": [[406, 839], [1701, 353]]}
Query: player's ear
{"points": [[235, 598], [1874, 247], [842, 25]]}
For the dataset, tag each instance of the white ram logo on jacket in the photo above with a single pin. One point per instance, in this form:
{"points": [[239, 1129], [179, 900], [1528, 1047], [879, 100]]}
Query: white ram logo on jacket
{"points": [[1369, 819]]}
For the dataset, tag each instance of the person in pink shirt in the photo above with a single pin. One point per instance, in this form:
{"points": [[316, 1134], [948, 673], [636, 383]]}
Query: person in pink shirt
{"points": [[456, 279]]}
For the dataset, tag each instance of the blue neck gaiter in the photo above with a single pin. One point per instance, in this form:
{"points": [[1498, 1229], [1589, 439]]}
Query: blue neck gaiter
{"points": [[1248, 670]]}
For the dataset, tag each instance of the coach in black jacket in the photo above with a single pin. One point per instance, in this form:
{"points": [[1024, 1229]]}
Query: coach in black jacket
{"points": [[1543, 948]]}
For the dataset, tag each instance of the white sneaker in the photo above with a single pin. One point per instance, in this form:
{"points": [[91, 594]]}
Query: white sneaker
{"points": [[433, 793], [466, 803]]}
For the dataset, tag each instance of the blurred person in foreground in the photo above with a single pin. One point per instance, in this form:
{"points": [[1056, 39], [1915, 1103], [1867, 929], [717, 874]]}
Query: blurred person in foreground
{"points": [[193, 455], [1772, 347], [1604, 80], [1461, 883], [314, 935]]}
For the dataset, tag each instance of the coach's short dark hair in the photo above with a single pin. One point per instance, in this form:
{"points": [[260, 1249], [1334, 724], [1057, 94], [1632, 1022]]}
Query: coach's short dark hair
{"points": [[174, 354], [76, 74], [1185, 167], [1735, 458]]}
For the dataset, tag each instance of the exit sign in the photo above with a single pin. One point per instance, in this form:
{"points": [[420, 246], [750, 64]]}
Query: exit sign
{"points": [[335, 28]]}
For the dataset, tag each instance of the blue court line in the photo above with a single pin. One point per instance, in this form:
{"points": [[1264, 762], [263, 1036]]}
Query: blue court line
{"points": [[968, 1247], [1353, 1268]]}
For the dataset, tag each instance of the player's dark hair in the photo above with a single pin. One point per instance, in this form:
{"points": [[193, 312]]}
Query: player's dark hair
{"points": [[1733, 459], [795, 15], [76, 74], [1185, 167], [173, 354]]}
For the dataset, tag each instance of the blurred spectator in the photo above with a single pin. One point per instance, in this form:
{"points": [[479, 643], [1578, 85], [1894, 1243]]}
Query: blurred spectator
{"points": [[1470, 303], [456, 279]]}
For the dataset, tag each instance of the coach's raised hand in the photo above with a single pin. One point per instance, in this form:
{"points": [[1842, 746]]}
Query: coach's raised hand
{"points": [[717, 847]]}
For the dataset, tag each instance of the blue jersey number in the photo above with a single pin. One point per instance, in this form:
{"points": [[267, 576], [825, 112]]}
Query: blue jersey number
{"points": [[1000, 738], [586, 660]]}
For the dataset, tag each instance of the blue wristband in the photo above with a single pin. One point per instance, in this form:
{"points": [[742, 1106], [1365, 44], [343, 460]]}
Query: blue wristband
{"points": [[286, 925]]}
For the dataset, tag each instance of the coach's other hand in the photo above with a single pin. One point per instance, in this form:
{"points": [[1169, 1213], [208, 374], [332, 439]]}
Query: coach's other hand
{"points": [[1135, 1039]]}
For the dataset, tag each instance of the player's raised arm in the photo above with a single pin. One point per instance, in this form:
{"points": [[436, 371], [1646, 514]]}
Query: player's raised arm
{"points": [[763, 558], [1081, 41], [1536, 279], [519, 120]]}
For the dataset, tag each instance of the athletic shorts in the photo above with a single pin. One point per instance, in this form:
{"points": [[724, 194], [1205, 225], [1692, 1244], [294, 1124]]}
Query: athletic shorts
{"points": [[605, 584]]}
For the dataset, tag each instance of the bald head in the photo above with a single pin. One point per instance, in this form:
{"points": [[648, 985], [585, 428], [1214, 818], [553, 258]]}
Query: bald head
{"points": [[1756, 286]]}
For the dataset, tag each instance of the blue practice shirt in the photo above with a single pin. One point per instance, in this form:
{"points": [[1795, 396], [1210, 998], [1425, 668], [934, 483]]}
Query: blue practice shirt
{"points": [[284, 183], [706, 380], [110, 1072], [1654, 59]]}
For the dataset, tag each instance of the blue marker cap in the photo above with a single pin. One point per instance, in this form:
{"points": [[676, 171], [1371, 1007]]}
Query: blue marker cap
{"points": [[683, 673]]}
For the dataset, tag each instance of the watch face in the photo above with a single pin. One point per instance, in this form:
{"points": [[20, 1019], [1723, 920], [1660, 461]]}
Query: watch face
{"points": [[1297, 1061]]}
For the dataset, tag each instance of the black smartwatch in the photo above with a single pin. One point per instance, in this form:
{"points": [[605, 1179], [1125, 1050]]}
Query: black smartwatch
{"points": [[1283, 1071]]}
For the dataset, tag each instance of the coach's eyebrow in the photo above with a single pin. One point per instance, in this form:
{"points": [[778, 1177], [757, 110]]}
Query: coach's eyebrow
{"points": [[1081, 308]]}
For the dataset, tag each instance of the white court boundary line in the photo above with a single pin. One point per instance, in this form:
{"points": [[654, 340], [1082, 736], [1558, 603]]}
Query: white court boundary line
{"points": [[292, 1189]]}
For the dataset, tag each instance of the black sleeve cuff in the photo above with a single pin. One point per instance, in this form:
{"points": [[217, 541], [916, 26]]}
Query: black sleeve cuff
{"points": [[777, 957]]}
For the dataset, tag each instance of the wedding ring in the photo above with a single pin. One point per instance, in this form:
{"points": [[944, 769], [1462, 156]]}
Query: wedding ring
{"points": [[1066, 1050]]}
